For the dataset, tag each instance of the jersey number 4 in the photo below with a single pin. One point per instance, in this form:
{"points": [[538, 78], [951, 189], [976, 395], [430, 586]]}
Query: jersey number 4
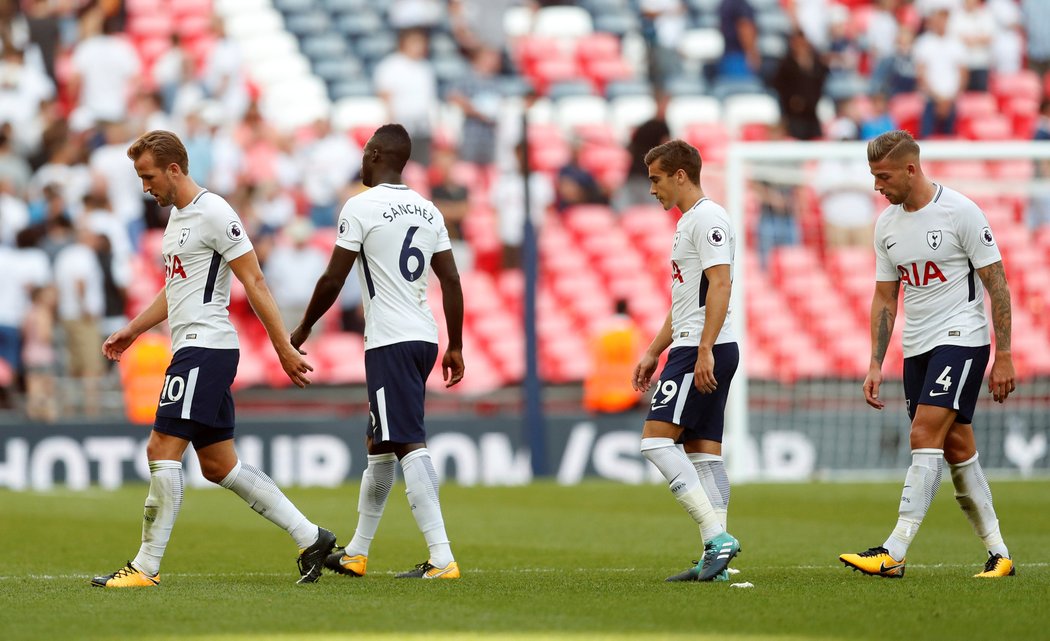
{"points": [[408, 252]]}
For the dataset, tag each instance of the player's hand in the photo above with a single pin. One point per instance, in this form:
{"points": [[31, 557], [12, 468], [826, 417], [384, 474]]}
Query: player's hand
{"points": [[119, 341], [298, 337], [871, 387], [1001, 381], [452, 367], [642, 379], [295, 366], [704, 372]]}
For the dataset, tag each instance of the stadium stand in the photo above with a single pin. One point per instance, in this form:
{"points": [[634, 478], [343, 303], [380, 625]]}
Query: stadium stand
{"points": [[586, 64]]}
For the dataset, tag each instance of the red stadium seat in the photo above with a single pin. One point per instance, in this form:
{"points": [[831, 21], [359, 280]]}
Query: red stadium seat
{"points": [[1023, 84], [991, 127], [906, 110]]}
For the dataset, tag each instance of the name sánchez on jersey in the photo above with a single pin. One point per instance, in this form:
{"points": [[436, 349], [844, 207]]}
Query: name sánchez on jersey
{"points": [[408, 210]]}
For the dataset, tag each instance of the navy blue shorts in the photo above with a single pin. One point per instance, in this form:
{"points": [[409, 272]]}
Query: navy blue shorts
{"points": [[397, 376], [946, 376], [195, 402], [677, 400]]}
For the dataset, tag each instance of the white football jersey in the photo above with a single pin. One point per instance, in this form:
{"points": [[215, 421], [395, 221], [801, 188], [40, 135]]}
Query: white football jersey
{"points": [[934, 253], [199, 242], [395, 231], [704, 238]]}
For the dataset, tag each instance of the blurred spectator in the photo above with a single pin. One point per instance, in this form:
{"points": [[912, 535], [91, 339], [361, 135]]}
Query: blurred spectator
{"points": [[14, 213], [896, 74], [663, 23], [406, 81], [13, 304], [1039, 205], [66, 171], [292, 268], [326, 164], [14, 170], [478, 95], [113, 250], [878, 121], [275, 207], [196, 136], [168, 71], [940, 68], [55, 232], [813, 18], [42, 20], [223, 76], [635, 189], [778, 202], [105, 69], [146, 112], [38, 355], [844, 187], [843, 55], [479, 23], [23, 89], [415, 14], [881, 34], [926, 8], [615, 349], [1008, 42], [974, 26], [123, 187], [1037, 25], [451, 197], [740, 58], [508, 198], [81, 303], [574, 185], [799, 81]]}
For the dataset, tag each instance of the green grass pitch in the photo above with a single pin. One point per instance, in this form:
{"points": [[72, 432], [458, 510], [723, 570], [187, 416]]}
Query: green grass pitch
{"points": [[541, 561]]}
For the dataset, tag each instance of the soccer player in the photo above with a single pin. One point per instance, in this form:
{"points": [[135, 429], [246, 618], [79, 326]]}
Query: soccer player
{"points": [[397, 234], [203, 243], [937, 244], [690, 398]]}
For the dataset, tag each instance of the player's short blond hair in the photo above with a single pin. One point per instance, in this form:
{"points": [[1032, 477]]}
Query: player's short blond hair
{"points": [[893, 145], [674, 155], [165, 147]]}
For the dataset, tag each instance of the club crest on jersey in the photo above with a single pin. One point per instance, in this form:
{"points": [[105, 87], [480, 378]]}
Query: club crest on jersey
{"points": [[933, 238], [234, 231], [986, 236], [184, 233], [344, 227], [717, 236]]}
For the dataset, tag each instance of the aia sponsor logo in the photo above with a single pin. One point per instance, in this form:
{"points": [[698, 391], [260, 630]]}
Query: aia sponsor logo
{"points": [[173, 267], [917, 276]]}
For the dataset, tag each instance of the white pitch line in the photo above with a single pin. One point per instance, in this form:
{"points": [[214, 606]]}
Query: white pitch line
{"points": [[220, 575]]}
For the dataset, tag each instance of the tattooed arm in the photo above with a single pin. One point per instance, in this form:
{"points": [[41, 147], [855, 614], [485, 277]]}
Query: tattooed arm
{"points": [[883, 314], [1001, 381]]}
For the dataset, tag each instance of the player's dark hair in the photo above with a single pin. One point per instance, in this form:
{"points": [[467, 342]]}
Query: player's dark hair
{"points": [[893, 145], [674, 155], [165, 147], [394, 145]]}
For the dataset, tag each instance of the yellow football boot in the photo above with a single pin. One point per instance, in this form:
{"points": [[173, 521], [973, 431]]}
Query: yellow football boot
{"points": [[342, 563], [126, 577], [996, 566], [876, 562], [426, 570]]}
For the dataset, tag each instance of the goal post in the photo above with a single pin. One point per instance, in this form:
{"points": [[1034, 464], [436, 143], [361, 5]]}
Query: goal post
{"points": [[818, 425]]}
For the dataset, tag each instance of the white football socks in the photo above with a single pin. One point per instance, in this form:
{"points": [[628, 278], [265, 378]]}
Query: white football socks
{"points": [[712, 472], [684, 484], [422, 490], [162, 507], [975, 499], [920, 485], [376, 482], [262, 494]]}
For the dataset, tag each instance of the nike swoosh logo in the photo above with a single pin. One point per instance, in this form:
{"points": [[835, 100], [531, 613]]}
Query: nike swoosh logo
{"points": [[659, 407], [883, 569], [162, 404], [938, 393], [890, 246]]}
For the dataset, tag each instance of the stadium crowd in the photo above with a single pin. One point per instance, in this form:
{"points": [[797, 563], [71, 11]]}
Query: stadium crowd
{"points": [[80, 79]]}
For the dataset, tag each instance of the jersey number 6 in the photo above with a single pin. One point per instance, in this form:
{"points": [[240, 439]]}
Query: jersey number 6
{"points": [[407, 252]]}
